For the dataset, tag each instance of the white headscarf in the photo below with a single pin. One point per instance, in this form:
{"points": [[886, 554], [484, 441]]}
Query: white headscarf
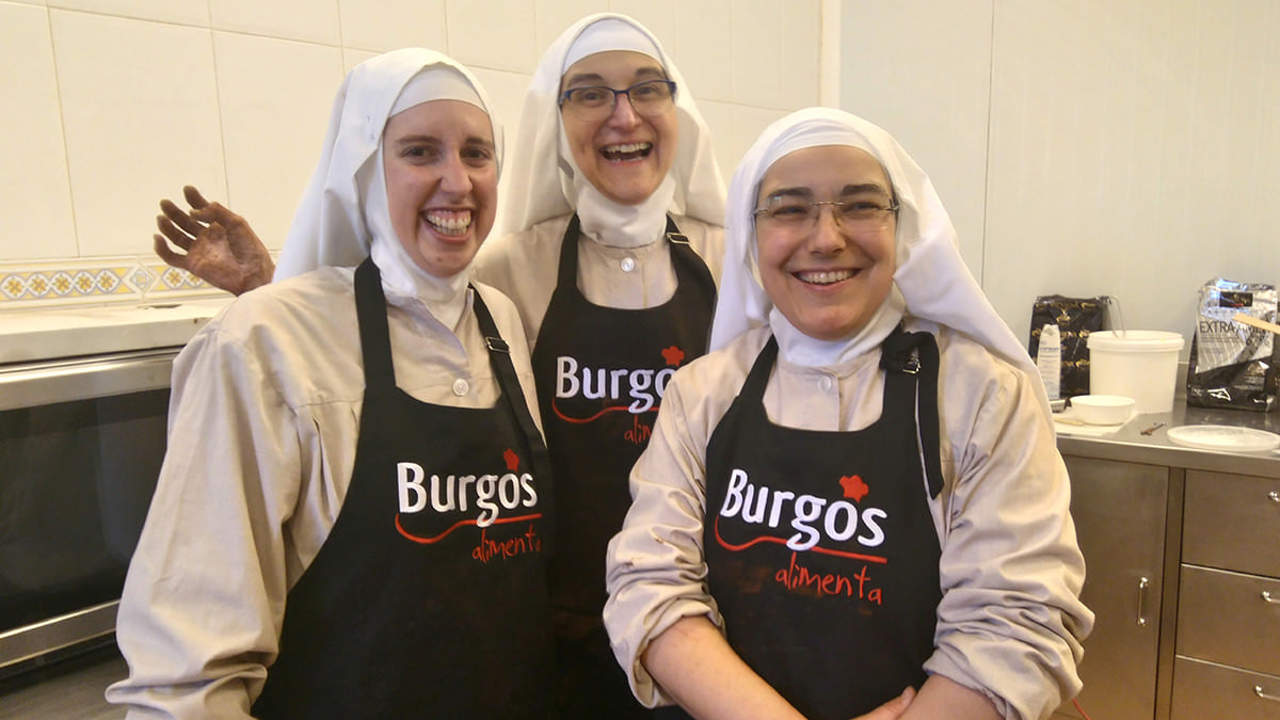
{"points": [[544, 180], [931, 278], [343, 216]]}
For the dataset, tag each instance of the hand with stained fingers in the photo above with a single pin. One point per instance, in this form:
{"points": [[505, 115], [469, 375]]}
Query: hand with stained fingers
{"points": [[220, 247]]}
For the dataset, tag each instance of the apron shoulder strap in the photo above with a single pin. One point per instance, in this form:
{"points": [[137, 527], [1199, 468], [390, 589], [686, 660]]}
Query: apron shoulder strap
{"points": [[500, 361], [375, 337], [910, 361], [758, 377], [683, 255], [568, 268]]}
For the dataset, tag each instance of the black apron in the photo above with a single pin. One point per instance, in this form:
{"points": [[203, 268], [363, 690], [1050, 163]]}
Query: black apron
{"points": [[428, 598], [822, 553], [599, 373]]}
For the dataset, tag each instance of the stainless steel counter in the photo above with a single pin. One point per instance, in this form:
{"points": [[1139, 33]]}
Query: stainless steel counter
{"points": [[1130, 445]]}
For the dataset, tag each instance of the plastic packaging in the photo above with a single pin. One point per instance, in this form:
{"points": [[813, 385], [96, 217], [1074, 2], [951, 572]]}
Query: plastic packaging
{"points": [[1049, 360], [1233, 365]]}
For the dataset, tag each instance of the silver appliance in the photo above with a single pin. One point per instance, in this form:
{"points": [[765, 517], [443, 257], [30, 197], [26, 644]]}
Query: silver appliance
{"points": [[81, 443]]}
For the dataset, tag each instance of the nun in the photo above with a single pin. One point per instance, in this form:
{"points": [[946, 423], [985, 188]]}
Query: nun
{"points": [[614, 207], [353, 518], [854, 503]]}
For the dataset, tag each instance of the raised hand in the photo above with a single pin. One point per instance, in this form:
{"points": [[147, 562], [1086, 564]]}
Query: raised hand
{"points": [[219, 246]]}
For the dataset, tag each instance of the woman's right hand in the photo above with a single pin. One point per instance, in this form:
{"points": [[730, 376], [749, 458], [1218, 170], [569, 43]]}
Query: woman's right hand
{"points": [[220, 247], [892, 709]]}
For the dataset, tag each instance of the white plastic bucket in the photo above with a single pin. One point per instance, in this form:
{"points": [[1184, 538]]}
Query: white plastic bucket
{"points": [[1141, 364]]}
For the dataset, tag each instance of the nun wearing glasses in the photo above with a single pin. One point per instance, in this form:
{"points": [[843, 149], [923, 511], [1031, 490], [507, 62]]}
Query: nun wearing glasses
{"points": [[854, 505], [615, 205]]}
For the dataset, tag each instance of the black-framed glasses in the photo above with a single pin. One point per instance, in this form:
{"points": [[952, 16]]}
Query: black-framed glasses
{"points": [[651, 97], [800, 214]]}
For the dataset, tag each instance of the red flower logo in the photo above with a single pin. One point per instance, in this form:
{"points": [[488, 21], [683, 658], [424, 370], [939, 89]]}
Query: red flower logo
{"points": [[854, 487], [673, 355], [512, 460]]}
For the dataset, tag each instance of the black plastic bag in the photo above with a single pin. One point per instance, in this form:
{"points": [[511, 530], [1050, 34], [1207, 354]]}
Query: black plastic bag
{"points": [[1076, 318]]}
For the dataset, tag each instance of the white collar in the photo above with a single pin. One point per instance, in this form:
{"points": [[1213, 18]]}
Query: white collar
{"points": [[626, 226], [838, 356]]}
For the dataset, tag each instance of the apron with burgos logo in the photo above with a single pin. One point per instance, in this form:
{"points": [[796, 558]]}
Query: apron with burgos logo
{"points": [[428, 598], [600, 375], [821, 551]]}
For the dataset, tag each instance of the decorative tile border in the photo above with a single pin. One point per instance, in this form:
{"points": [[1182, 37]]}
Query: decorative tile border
{"points": [[95, 281]]}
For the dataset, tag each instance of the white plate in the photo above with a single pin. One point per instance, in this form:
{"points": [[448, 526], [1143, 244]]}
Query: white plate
{"points": [[1224, 437]]}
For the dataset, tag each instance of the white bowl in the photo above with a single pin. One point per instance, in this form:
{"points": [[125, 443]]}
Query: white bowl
{"points": [[1102, 409]]}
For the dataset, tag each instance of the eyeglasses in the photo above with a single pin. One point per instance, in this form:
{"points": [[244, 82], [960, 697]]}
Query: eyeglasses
{"points": [[800, 214], [648, 98]]}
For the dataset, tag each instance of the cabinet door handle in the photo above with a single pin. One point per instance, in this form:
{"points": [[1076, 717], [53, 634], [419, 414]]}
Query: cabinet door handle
{"points": [[1266, 595], [1142, 600], [1274, 495], [1257, 690]]}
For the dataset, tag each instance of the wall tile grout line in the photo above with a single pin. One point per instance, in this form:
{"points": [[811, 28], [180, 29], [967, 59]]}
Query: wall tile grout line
{"points": [[62, 123], [222, 135], [986, 170]]}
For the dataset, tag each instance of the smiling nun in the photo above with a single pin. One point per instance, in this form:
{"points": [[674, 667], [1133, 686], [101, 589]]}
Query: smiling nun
{"points": [[350, 448], [858, 491], [615, 206]]}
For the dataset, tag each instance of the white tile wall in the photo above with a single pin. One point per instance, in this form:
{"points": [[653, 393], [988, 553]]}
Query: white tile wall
{"points": [[493, 34], [184, 12], [140, 109], [657, 15], [390, 24], [702, 48], [799, 32], [295, 19], [939, 117], [36, 202], [733, 129], [273, 123], [352, 58], [756, 52], [554, 16], [233, 95], [1133, 153], [506, 93]]}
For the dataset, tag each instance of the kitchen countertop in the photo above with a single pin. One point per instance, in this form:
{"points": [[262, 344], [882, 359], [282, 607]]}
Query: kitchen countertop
{"points": [[1128, 444], [32, 335]]}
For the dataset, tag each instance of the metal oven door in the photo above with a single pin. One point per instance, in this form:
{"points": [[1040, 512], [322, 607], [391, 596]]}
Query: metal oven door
{"points": [[81, 443]]}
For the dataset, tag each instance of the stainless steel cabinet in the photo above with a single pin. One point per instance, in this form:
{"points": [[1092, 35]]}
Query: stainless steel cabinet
{"points": [[1229, 599], [1121, 516]]}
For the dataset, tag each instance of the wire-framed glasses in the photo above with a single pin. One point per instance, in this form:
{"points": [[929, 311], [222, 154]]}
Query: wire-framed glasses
{"points": [[648, 98], [799, 212]]}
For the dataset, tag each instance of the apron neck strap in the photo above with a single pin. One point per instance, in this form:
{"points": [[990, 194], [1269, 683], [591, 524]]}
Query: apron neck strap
{"points": [[910, 362], [500, 361], [375, 337]]}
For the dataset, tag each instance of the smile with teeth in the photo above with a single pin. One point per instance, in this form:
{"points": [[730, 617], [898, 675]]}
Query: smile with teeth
{"points": [[626, 151], [448, 222], [824, 277]]}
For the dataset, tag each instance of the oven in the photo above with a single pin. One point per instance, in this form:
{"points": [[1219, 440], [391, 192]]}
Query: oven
{"points": [[81, 443]]}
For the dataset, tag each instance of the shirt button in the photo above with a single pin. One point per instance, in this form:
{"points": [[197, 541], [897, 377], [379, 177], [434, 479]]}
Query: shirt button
{"points": [[628, 264], [460, 387], [825, 384]]}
